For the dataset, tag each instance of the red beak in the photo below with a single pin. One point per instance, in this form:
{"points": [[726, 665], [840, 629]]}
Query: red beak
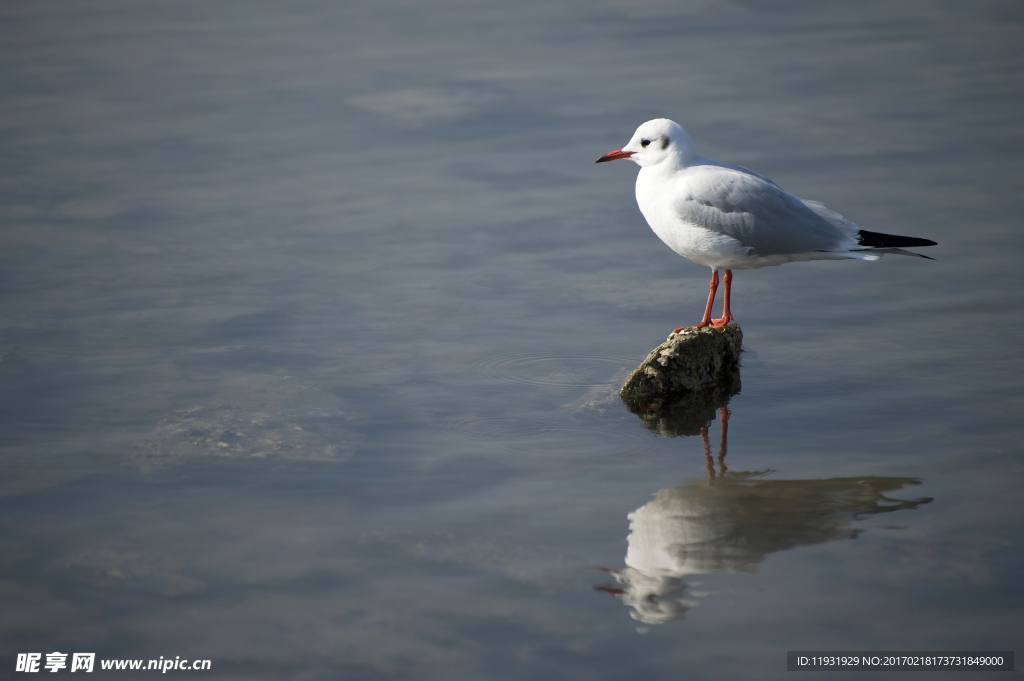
{"points": [[615, 155]]}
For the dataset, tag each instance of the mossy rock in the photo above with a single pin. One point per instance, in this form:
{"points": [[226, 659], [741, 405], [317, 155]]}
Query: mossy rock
{"points": [[689, 361]]}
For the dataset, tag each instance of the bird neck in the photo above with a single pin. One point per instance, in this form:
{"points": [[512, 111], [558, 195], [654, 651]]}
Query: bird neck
{"points": [[684, 152]]}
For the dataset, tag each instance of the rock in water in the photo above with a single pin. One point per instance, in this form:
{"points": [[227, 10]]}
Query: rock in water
{"points": [[691, 361]]}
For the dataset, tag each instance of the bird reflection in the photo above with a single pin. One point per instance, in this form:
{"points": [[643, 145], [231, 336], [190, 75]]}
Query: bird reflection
{"points": [[732, 521]]}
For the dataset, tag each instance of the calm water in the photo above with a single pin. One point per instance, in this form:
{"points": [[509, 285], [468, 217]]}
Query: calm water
{"points": [[312, 317]]}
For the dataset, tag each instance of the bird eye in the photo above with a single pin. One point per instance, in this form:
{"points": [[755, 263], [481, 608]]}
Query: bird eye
{"points": [[644, 143]]}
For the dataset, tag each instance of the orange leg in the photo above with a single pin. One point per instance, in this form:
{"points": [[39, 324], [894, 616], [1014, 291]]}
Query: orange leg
{"points": [[706, 321], [726, 312]]}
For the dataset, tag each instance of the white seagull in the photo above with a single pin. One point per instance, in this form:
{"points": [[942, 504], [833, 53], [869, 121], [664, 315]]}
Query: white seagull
{"points": [[730, 218]]}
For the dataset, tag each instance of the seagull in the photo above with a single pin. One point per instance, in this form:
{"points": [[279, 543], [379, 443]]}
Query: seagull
{"points": [[729, 218]]}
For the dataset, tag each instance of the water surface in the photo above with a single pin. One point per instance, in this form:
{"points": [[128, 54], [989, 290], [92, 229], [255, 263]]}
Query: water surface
{"points": [[312, 318]]}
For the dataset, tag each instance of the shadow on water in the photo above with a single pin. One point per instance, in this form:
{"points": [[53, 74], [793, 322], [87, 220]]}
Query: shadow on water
{"points": [[731, 521]]}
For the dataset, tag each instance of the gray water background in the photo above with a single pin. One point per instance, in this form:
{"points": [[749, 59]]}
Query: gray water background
{"points": [[312, 317]]}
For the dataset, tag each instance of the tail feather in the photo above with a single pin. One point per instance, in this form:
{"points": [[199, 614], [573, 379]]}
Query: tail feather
{"points": [[864, 254], [875, 253], [878, 240], [897, 251]]}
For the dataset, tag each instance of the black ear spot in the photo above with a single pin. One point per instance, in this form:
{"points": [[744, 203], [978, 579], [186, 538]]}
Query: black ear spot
{"points": [[644, 143], [664, 143]]}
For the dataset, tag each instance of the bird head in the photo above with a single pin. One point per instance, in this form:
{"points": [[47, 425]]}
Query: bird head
{"points": [[655, 142]]}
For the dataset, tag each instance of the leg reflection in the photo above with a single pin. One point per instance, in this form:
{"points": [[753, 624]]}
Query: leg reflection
{"points": [[723, 447], [723, 414], [707, 452]]}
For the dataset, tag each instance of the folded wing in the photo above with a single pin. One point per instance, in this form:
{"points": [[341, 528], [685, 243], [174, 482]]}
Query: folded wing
{"points": [[760, 215]]}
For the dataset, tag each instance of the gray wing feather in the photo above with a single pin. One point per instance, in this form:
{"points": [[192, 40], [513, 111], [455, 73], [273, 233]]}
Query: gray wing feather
{"points": [[760, 215]]}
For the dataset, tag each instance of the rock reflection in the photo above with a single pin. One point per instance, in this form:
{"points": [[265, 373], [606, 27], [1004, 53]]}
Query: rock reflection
{"points": [[733, 520], [687, 414]]}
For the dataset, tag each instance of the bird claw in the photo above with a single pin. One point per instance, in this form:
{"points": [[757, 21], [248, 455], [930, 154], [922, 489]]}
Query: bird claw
{"points": [[713, 323]]}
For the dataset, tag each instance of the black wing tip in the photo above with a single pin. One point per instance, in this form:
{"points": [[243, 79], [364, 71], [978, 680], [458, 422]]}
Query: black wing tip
{"points": [[879, 240]]}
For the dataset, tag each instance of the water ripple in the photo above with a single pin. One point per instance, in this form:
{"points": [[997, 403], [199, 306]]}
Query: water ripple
{"points": [[554, 371], [548, 437]]}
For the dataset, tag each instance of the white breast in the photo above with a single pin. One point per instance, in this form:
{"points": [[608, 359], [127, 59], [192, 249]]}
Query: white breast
{"points": [[693, 242]]}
